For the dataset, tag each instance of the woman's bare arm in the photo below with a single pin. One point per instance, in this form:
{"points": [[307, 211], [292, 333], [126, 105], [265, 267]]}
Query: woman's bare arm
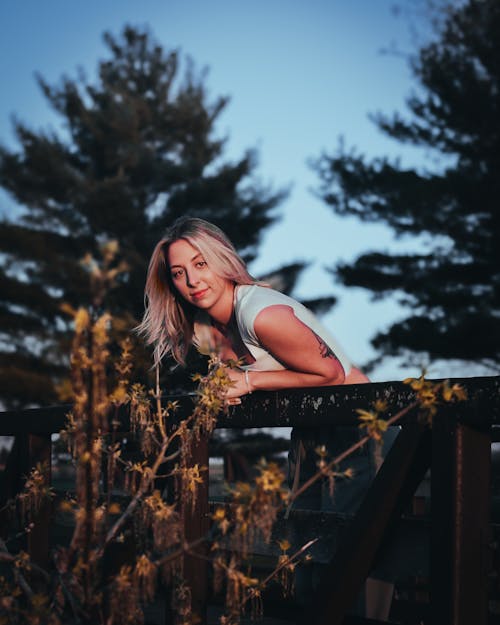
{"points": [[308, 361]]}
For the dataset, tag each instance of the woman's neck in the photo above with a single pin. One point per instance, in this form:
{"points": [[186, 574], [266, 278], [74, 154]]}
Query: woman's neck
{"points": [[222, 311]]}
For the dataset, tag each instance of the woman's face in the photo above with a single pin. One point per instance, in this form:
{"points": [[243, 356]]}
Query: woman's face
{"points": [[193, 278]]}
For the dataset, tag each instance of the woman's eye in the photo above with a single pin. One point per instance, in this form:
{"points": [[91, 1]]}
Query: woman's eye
{"points": [[177, 274], [201, 263]]}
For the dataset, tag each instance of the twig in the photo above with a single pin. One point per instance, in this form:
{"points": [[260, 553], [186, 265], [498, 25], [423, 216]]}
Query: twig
{"points": [[293, 557], [181, 551], [136, 499], [6, 557], [21, 580], [172, 456], [10, 503], [159, 410], [70, 598]]}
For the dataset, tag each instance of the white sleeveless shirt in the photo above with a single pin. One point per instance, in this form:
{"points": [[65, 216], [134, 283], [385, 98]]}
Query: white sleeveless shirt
{"points": [[249, 301]]}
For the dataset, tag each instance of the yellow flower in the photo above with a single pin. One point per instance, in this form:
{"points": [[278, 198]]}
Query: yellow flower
{"points": [[284, 545], [82, 320], [451, 393], [380, 405], [219, 514], [65, 506], [321, 451], [114, 508]]}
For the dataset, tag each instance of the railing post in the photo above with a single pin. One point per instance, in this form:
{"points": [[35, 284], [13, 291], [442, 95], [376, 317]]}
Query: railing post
{"points": [[11, 479], [197, 525], [40, 451], [460, 494], [27, 451]]}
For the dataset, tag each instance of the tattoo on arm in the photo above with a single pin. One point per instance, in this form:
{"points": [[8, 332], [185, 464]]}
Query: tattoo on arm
{"points": [[325, 350]]}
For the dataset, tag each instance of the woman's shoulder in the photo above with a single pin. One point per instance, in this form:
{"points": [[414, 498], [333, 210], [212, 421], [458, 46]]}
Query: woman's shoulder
{"points": [[251, 299], [260, 293]]}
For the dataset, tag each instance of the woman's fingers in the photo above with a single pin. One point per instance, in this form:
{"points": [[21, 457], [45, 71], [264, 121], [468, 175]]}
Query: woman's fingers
{"points": [[238, 386], [233, 401]]}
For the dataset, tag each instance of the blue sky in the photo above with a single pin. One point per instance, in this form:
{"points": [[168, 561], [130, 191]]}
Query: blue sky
{"points": [[300, 74]]}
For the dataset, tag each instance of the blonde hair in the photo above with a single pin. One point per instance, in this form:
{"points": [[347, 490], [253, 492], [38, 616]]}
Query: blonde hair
{"points": [[169, 319]]}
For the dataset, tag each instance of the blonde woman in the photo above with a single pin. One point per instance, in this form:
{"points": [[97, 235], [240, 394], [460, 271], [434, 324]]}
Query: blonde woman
{"points": [[198, 291]]}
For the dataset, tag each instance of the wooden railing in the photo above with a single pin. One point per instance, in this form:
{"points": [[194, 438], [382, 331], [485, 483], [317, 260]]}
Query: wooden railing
{"points": [[457, 450]]}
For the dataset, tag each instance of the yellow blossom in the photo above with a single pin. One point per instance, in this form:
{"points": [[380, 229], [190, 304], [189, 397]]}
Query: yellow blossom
{"points": [[66, 506], [284, 545]]}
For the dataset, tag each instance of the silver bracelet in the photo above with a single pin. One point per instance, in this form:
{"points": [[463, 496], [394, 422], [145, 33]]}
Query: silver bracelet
{"points": [[247, 380]]}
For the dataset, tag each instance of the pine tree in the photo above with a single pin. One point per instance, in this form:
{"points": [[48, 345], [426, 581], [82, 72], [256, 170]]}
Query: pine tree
{"points": [[452, 290], [137, 150]]}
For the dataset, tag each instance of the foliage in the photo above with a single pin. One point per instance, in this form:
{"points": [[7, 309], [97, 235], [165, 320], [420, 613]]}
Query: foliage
{"points": [[430, 395], [135, 149], [452, 289], [81, 587]]}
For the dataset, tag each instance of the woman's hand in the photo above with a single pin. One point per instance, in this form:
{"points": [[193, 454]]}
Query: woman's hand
{"points": [[239, 386]]}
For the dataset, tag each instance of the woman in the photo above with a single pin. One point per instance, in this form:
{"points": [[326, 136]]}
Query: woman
{"points": [[198, 291]]}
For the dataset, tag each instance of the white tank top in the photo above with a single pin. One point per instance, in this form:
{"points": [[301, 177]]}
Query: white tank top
{"points": [[249, 301]]}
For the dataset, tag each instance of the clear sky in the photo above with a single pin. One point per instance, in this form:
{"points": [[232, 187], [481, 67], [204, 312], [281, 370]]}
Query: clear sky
{"points": [[300, 74]]}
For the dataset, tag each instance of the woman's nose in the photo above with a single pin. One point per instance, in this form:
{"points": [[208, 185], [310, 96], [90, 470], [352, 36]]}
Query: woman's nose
{"points": [[192, 277]]}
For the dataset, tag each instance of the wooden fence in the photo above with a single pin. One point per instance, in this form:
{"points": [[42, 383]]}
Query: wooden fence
{"points": [[457, 450]]}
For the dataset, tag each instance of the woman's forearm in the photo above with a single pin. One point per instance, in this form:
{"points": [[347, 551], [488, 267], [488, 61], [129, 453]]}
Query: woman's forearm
{"points": [[282, 379], [244, 382]]}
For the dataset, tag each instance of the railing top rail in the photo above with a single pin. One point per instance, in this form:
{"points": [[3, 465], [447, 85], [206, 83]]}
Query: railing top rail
{"points": [[311, 407], [314, 407], [43, 420]]}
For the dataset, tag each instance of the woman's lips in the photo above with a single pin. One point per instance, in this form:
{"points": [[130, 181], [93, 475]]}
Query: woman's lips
{"points": [[198, 294]]}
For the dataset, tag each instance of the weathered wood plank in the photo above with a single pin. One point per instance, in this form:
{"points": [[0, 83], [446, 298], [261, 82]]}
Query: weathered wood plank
{"points": [[337, 405], [460, 557], [310, 407], [39, 452], [196, 527]]}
